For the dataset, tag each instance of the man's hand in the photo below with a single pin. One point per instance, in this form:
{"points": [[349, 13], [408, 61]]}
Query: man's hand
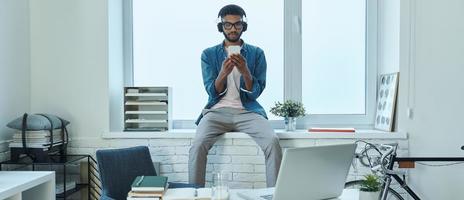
{"points": [[240, 62], [227, 67]]}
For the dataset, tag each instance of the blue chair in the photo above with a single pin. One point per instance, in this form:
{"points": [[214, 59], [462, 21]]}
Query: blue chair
{"points": [[119, 167]]}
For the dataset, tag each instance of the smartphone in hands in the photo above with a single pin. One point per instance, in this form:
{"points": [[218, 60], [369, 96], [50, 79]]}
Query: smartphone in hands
{"points": [[234, 49]]}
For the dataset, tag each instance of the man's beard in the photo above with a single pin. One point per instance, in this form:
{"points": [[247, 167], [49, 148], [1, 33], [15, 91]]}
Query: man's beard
{"points": [[239, 34]]}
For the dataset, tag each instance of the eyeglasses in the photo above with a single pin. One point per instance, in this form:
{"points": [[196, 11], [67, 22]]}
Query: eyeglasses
{"points": [[237, 25]]}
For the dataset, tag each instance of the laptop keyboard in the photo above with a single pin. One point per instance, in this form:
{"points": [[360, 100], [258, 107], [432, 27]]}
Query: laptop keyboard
{"points": [[267, 197]]}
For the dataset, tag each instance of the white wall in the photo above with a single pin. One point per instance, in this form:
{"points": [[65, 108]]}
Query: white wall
{"points": [[423, 40], [235, 153], [432, 67], [69, 63], [14, 64]]}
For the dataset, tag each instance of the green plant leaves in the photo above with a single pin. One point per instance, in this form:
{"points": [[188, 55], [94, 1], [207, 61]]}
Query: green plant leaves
{"points": [[289, 108], [371, 183]]}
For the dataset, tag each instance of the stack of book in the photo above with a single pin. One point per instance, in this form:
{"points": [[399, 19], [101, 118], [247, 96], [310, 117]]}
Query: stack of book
{"points": [[148, 188], [36, 139]]}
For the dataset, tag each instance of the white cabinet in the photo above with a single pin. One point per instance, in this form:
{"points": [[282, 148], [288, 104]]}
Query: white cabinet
{"points": [[23, 185], [147, 109]]}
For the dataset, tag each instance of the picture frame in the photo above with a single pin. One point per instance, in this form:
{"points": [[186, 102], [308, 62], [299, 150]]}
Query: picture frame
{"points": [[386, 101]]}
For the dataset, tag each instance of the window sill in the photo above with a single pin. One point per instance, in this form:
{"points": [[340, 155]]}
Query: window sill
{"points": [[298, 134]]}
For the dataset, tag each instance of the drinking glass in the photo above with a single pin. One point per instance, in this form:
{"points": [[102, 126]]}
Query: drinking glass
{"points": [[220, 189]]}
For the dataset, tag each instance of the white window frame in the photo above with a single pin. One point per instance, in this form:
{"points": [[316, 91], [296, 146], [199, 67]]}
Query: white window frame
{"points": [[292, 68]]}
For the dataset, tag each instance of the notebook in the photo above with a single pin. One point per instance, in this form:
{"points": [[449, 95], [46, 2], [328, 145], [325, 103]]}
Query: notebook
{"points": [[187, 194], [149, 183]]}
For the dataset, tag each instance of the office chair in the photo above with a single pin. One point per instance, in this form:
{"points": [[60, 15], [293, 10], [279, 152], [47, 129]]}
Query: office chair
{"points": [[119, 167]]}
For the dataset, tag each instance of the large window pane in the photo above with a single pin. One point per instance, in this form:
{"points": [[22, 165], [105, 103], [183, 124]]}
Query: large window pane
{"points": [[334, 38], [169, 36]]}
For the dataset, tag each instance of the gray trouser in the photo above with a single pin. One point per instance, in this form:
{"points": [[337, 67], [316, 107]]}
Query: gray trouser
{"points": [[216, 122]]}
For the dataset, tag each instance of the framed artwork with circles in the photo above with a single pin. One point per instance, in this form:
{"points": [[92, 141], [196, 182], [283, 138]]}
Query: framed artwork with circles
{"points": [[386, 101]]}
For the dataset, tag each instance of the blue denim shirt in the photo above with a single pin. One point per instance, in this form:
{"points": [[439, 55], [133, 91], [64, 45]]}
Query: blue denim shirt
{"points": [[211, 64]]}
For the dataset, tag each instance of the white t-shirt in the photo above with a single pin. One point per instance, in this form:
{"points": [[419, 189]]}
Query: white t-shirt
{"points": [[232, 97]]}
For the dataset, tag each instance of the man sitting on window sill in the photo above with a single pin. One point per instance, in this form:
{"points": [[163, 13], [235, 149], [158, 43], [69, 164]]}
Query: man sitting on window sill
{"points": [[233, 83]]}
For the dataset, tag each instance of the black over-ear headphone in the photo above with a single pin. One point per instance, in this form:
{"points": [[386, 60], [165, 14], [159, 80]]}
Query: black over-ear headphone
{"points": [[221, 13]]}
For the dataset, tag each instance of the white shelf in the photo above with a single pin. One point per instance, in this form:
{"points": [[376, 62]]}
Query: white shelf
{"points": [[145, 103], [145, 112], [146, 95], [147, 109]]}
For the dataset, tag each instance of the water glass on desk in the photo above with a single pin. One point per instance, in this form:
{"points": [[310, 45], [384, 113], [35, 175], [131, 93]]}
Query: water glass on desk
{"points": [[220, 189]]}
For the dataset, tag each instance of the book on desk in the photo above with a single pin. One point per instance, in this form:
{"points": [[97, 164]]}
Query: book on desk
{"points": [[148, 188]]}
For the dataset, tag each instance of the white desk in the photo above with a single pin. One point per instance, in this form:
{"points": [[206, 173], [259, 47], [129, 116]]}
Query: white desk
{"points": [[348, 194], [205, 193], [18, 185]]}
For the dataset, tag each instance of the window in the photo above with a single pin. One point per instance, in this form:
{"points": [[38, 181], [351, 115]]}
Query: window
{"points": [[320, 52], [334, 56], [167, 47]]}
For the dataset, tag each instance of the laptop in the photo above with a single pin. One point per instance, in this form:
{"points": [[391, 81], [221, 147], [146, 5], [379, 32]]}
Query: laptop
{"points": [[309, 173]]}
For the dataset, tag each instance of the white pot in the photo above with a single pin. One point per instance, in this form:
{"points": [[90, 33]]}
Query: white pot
{"points": [[369, 195]]}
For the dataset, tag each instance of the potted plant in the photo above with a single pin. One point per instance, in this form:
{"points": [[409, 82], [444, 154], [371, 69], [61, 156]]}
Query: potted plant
{"points": [[370, 188], [290, 110]]}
